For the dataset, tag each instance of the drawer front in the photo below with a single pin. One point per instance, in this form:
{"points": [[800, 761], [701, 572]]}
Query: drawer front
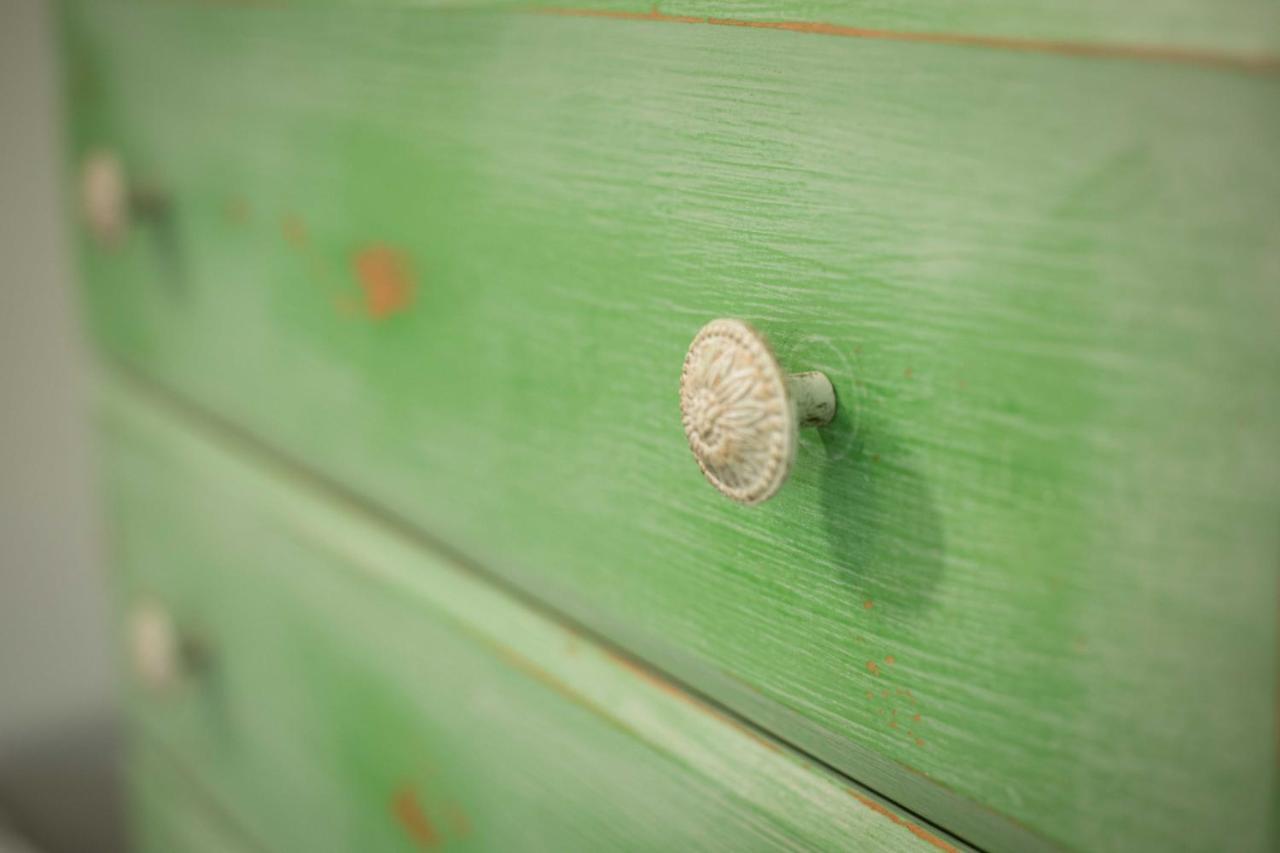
{"points": [[334, 687], [453, 261], [168, 813]]}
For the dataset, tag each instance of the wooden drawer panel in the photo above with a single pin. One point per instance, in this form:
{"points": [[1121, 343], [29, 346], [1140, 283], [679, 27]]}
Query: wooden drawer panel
{"points": [[357, 693], [1243, 33], [1026, 583], [168, 813]]}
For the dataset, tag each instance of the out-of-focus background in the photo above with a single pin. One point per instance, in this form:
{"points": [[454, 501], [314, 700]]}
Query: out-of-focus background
{"points": [[58, 741]]}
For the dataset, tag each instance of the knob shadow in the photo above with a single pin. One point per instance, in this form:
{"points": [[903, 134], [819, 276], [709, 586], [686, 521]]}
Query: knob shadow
{"points": [[882, 523]]}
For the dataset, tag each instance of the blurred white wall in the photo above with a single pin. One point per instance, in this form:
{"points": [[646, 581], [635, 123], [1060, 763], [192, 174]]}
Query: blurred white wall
{"points": [[55, 679]]}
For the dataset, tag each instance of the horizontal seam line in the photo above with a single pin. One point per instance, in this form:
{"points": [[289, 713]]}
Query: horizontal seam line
{"points": [[1173, 55], [192, 415]]}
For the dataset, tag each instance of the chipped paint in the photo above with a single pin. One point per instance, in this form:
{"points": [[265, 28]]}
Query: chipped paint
{"points": [[385, 279], [410, 815], [916, 830]]}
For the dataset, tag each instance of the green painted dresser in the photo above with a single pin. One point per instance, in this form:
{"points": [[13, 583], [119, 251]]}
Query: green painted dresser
{"points": [[392, 300]]}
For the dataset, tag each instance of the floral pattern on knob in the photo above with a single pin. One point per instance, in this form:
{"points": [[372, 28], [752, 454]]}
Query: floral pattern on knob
{"points": [[738, 412]]}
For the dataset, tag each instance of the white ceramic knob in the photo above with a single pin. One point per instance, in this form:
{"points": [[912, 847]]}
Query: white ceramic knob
{"points": [[104, 197], [155, 646], [742, 412], [111, 202]]}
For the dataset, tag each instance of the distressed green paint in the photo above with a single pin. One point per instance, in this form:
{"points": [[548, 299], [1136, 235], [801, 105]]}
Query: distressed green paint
{"points": [[168, 813], [1045, 289], [1243, 28], [1242, 31], [363, 694]]}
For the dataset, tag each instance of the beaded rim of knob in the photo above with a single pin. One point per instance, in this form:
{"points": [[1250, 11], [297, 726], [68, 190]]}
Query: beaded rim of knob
{"points": [[738, 411]]}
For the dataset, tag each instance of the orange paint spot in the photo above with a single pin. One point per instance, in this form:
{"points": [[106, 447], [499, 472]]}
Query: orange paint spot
{"points": [[295, 232], [890, 660], [384, 277], [404, 805], [873, 668], [868, 604], [919, 741], [906, 374], [918, 831], [765, 742], [893, 724], [916, 718], [647, 675]]}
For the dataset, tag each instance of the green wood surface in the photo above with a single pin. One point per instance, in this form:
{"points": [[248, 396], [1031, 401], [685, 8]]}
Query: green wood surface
{"points": [[167, 812], [360, 693], [453, 261], [1245, 32]]}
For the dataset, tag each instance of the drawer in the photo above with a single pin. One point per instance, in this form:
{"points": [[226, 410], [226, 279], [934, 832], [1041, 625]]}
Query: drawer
{"points": [[168, 814], [335, 687], [1024, 584]]}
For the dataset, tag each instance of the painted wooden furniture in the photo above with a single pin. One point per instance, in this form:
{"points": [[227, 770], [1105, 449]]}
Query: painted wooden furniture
{"points": [[355, 693], [169, 812], [448, 262]]}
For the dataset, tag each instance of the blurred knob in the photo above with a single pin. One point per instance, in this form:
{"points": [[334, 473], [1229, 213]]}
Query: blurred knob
{"points": [[157, 649], [111, 203], [104, 197]]}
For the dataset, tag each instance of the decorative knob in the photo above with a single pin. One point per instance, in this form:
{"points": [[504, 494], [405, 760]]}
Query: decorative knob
{"points": [[742, 412], [161, 655], [104, 195], [108, 201]]}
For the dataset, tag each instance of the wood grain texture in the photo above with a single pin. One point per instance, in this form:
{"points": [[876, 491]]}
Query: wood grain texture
{"points": [[1027, 581], [362, 694], [1243, 32], [168, 814]]}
